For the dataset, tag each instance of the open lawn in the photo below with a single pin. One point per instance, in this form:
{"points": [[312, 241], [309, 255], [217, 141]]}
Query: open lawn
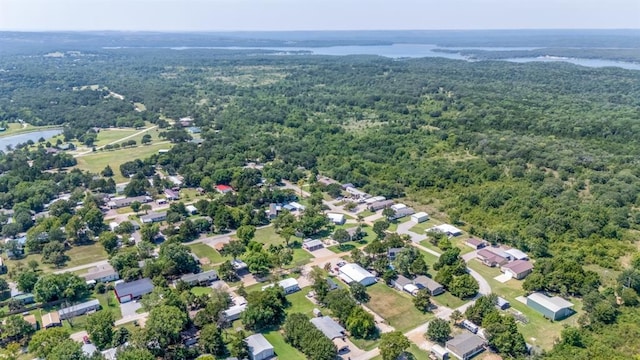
{"points": [[191, 195], [97, 161], [268, 236], [538, 331], [300, 257], [394, 224], [107, 136], [282, 349], [395, 307], [85, 254], [422, 227], [366, 213], [201, 290], [205, 251], [108, 301], [448, 300], [300, 303]]}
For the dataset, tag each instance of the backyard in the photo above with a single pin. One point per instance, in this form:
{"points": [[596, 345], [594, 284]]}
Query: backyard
{"points": [[205, 251], [395, 307]]}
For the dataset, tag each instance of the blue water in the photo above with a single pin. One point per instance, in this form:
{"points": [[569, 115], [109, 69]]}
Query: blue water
{"points": [[419, 51], [14, 140]]}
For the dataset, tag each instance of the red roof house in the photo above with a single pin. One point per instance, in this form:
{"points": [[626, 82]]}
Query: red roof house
{"points": [[223, 189]]}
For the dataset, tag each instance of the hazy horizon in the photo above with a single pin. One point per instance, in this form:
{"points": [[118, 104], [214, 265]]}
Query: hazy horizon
{"points": [[315, 15]]}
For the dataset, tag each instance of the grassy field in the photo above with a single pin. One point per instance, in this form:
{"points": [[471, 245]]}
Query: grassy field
{"points": [[300, 303], [201, 290], [422, 227], [108, 301], [538, 331], [97, 161], [204, 250], [300, 257], [448, 300], [418, 354], [395, 307], [282, 349], [268, 236], [85, 254], [107, 136]]}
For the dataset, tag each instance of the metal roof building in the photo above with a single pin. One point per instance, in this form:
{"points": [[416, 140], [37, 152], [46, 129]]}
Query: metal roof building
{"points": [[79, 309], [465, 346], [127, 291], [259, 347], [554, 308], [353, 272], [329, 327]]}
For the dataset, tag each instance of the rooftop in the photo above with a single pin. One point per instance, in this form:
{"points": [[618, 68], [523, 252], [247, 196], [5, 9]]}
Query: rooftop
{"points": [[287, 283], [355, 272], [78, 307], [517, 254], [465, 343], [552, 303], [258, 343], [519, 266], [137, 286], [329, 327]]}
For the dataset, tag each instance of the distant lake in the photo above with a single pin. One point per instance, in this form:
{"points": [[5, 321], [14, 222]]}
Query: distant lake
{"points": [[418, 51], [14, 140]]}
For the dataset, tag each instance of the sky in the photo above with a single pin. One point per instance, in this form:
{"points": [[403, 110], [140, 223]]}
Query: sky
{"points": [[257, 15]]}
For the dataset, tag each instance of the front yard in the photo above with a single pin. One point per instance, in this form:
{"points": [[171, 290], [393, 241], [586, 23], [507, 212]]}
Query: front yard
{"points": [[395, 307]]}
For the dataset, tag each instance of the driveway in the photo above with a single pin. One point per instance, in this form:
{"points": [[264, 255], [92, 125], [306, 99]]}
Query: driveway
{"points": [[130, 308], [403, 229], [322, 253]]}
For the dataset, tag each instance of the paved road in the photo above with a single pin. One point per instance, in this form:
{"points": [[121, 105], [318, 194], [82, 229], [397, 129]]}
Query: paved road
{"points": [[142, 317], [403, 229]]}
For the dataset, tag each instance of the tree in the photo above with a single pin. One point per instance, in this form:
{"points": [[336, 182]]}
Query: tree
{"points": [[100, 328], [53, 253], [68, 350], [233, 248], [146, 139], [246, 233], [404, 260], [11, 352], [503, 335], [16, 329], [135, 206], [66, 286], [26, 280], [109, 241], [320, 285], [238, 346], [302, 335], [43, 341], [340, 303], [265, 308], [439, 331], [388, 213], [380, 227], [422, 300], [164, 325], [393, 344], [211, 340], [227, 271], [456, 316], [360, 323], [341, 236], [464, 286], [107, 171], [259, 263], [176, 259], [148, 232], [134, 353], [359, 292]]}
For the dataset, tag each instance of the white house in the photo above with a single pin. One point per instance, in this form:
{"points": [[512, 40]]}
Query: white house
{"points": [[191, 209], [290, 285], [420, 217], [335, 218], [259, 347], [353, 272], [447, 229]]}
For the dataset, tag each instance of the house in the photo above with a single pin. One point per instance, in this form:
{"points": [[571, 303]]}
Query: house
{"points": [[117, 203], [431, 285], [374, 199], [400, 282], [502, 303], [450, 230], [290, 285], [335, 218], [326, 180], [234, 312], [88, 349], [420, 217], [111, 353], [186, 121], [297, 206], [3, 266], [191, 209], [312, 245], [102, 273], [490, 258], [518, 269], [259, 347], [332, 284], [272, 212], [347, 185], [475, 244], [224, 189], [239, 265], [329, 327], [411, 289], [467, 324], [203, 278], [517, 254], [153, 217], [356, 193], [554, 308], [439, 353], [402, 212], [355, 233], [79, 309], [171, 194], [194, 130], [15, 247], [135, 224], [379, 205], [393, 252], [24, 299], [175, 180], [50, 320], [127, 291], [31, 319], [465, 346], [353, 272]]}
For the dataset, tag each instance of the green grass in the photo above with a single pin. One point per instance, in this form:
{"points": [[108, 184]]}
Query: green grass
{"points": [[422, 227], [366, 213], [394, 224], [268, 236], [300, 303], [538, 331], [300, 257], [203, 250], [106, 136], [395, 307], [191, 195], [365, 344], [282, 349], [96, 162], [418, 354], [85, 254], [201, 290], [448, 300], [108, 301]]}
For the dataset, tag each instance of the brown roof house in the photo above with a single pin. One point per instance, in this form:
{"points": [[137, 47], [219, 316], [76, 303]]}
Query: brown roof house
{"points": [[50, 320], [518, 269], [475, 244], [490, 258]]}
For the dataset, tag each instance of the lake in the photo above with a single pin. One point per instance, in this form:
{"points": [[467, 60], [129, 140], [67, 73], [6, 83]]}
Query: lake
{"points": [[14, 140], [419, 51]]}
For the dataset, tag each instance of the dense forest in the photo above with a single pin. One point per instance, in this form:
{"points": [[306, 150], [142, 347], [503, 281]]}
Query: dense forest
{"points": [[539, 156]]}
